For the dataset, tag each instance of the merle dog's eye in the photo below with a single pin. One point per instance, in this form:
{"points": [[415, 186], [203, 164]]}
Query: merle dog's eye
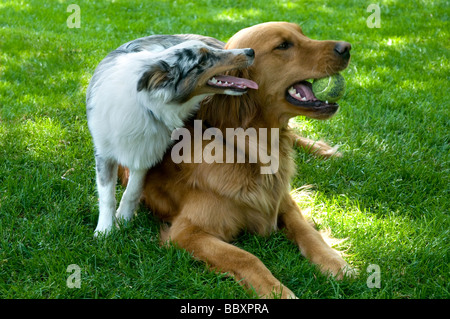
{"points": [[284, 46], [203, 60]]}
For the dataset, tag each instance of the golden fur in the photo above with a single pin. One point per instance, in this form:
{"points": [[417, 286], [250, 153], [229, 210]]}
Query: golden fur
{"points": [[208, 205]]}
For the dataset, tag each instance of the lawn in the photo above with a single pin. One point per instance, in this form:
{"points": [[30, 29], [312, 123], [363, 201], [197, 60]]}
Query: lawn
{"points": [[388, 195]]}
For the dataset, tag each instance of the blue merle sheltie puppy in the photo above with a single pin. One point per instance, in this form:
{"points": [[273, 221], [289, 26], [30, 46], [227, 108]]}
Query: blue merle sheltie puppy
{"points": [[139, 94]]}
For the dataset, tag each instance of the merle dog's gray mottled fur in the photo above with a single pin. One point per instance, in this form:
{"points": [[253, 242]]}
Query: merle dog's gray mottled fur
{"points": [[149, 43], [165, 41]]}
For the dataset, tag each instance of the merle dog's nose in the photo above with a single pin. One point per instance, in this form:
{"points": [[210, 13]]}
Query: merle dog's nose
{"points": [[343, 49], [250, 53]]}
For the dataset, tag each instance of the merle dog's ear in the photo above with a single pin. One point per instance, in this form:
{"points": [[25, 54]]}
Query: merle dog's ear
{"points": [[156, 76]]}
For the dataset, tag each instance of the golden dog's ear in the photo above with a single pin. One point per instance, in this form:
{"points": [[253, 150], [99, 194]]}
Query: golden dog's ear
{"points": [[156, 76]]}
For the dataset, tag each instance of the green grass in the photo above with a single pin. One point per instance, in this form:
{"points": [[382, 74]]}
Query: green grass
{"points": [[388, 195]]}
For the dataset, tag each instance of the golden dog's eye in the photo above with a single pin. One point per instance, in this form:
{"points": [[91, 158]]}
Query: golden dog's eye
{"points": [[284, 46]]}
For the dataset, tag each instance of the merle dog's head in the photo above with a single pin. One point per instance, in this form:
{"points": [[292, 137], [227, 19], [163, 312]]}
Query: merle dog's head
{"points": [[193, 68]]}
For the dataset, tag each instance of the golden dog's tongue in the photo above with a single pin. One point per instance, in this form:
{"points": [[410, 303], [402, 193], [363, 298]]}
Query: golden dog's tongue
{"points": [[232, 81]]}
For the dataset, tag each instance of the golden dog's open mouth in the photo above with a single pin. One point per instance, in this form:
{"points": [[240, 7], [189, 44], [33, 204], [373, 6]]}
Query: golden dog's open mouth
{"points": [[301, 94], [232, 83]]}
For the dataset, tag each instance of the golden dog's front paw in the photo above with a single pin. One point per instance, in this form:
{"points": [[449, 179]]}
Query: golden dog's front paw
{"points": [[333, 265], [286, 293], [279, 292]]}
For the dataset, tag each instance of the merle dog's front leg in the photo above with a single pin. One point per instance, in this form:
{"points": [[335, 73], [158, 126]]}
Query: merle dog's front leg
{"points": [[131, 196], [106, 171]]}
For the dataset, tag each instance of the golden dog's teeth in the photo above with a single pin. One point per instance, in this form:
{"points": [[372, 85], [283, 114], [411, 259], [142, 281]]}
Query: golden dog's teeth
{"points": [[303, 98], [292, 91], [213, 80], [298, 95]]}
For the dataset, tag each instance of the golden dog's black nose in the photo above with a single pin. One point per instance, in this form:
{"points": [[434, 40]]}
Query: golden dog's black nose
{"points": [[343, 49]]}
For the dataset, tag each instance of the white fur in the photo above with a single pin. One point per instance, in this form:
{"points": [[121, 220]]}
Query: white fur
{"points": [[122, 126]]}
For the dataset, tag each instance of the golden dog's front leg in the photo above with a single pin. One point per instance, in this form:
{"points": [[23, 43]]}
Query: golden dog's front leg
{"points": [[227, 258], [310, 242]]}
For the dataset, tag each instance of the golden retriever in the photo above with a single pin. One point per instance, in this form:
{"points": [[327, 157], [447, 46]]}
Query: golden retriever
{"points": [[206, 205]]}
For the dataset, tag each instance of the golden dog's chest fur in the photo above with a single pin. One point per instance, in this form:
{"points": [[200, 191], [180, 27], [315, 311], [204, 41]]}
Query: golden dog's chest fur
{"points": [[241, 197], [246, 199]]}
